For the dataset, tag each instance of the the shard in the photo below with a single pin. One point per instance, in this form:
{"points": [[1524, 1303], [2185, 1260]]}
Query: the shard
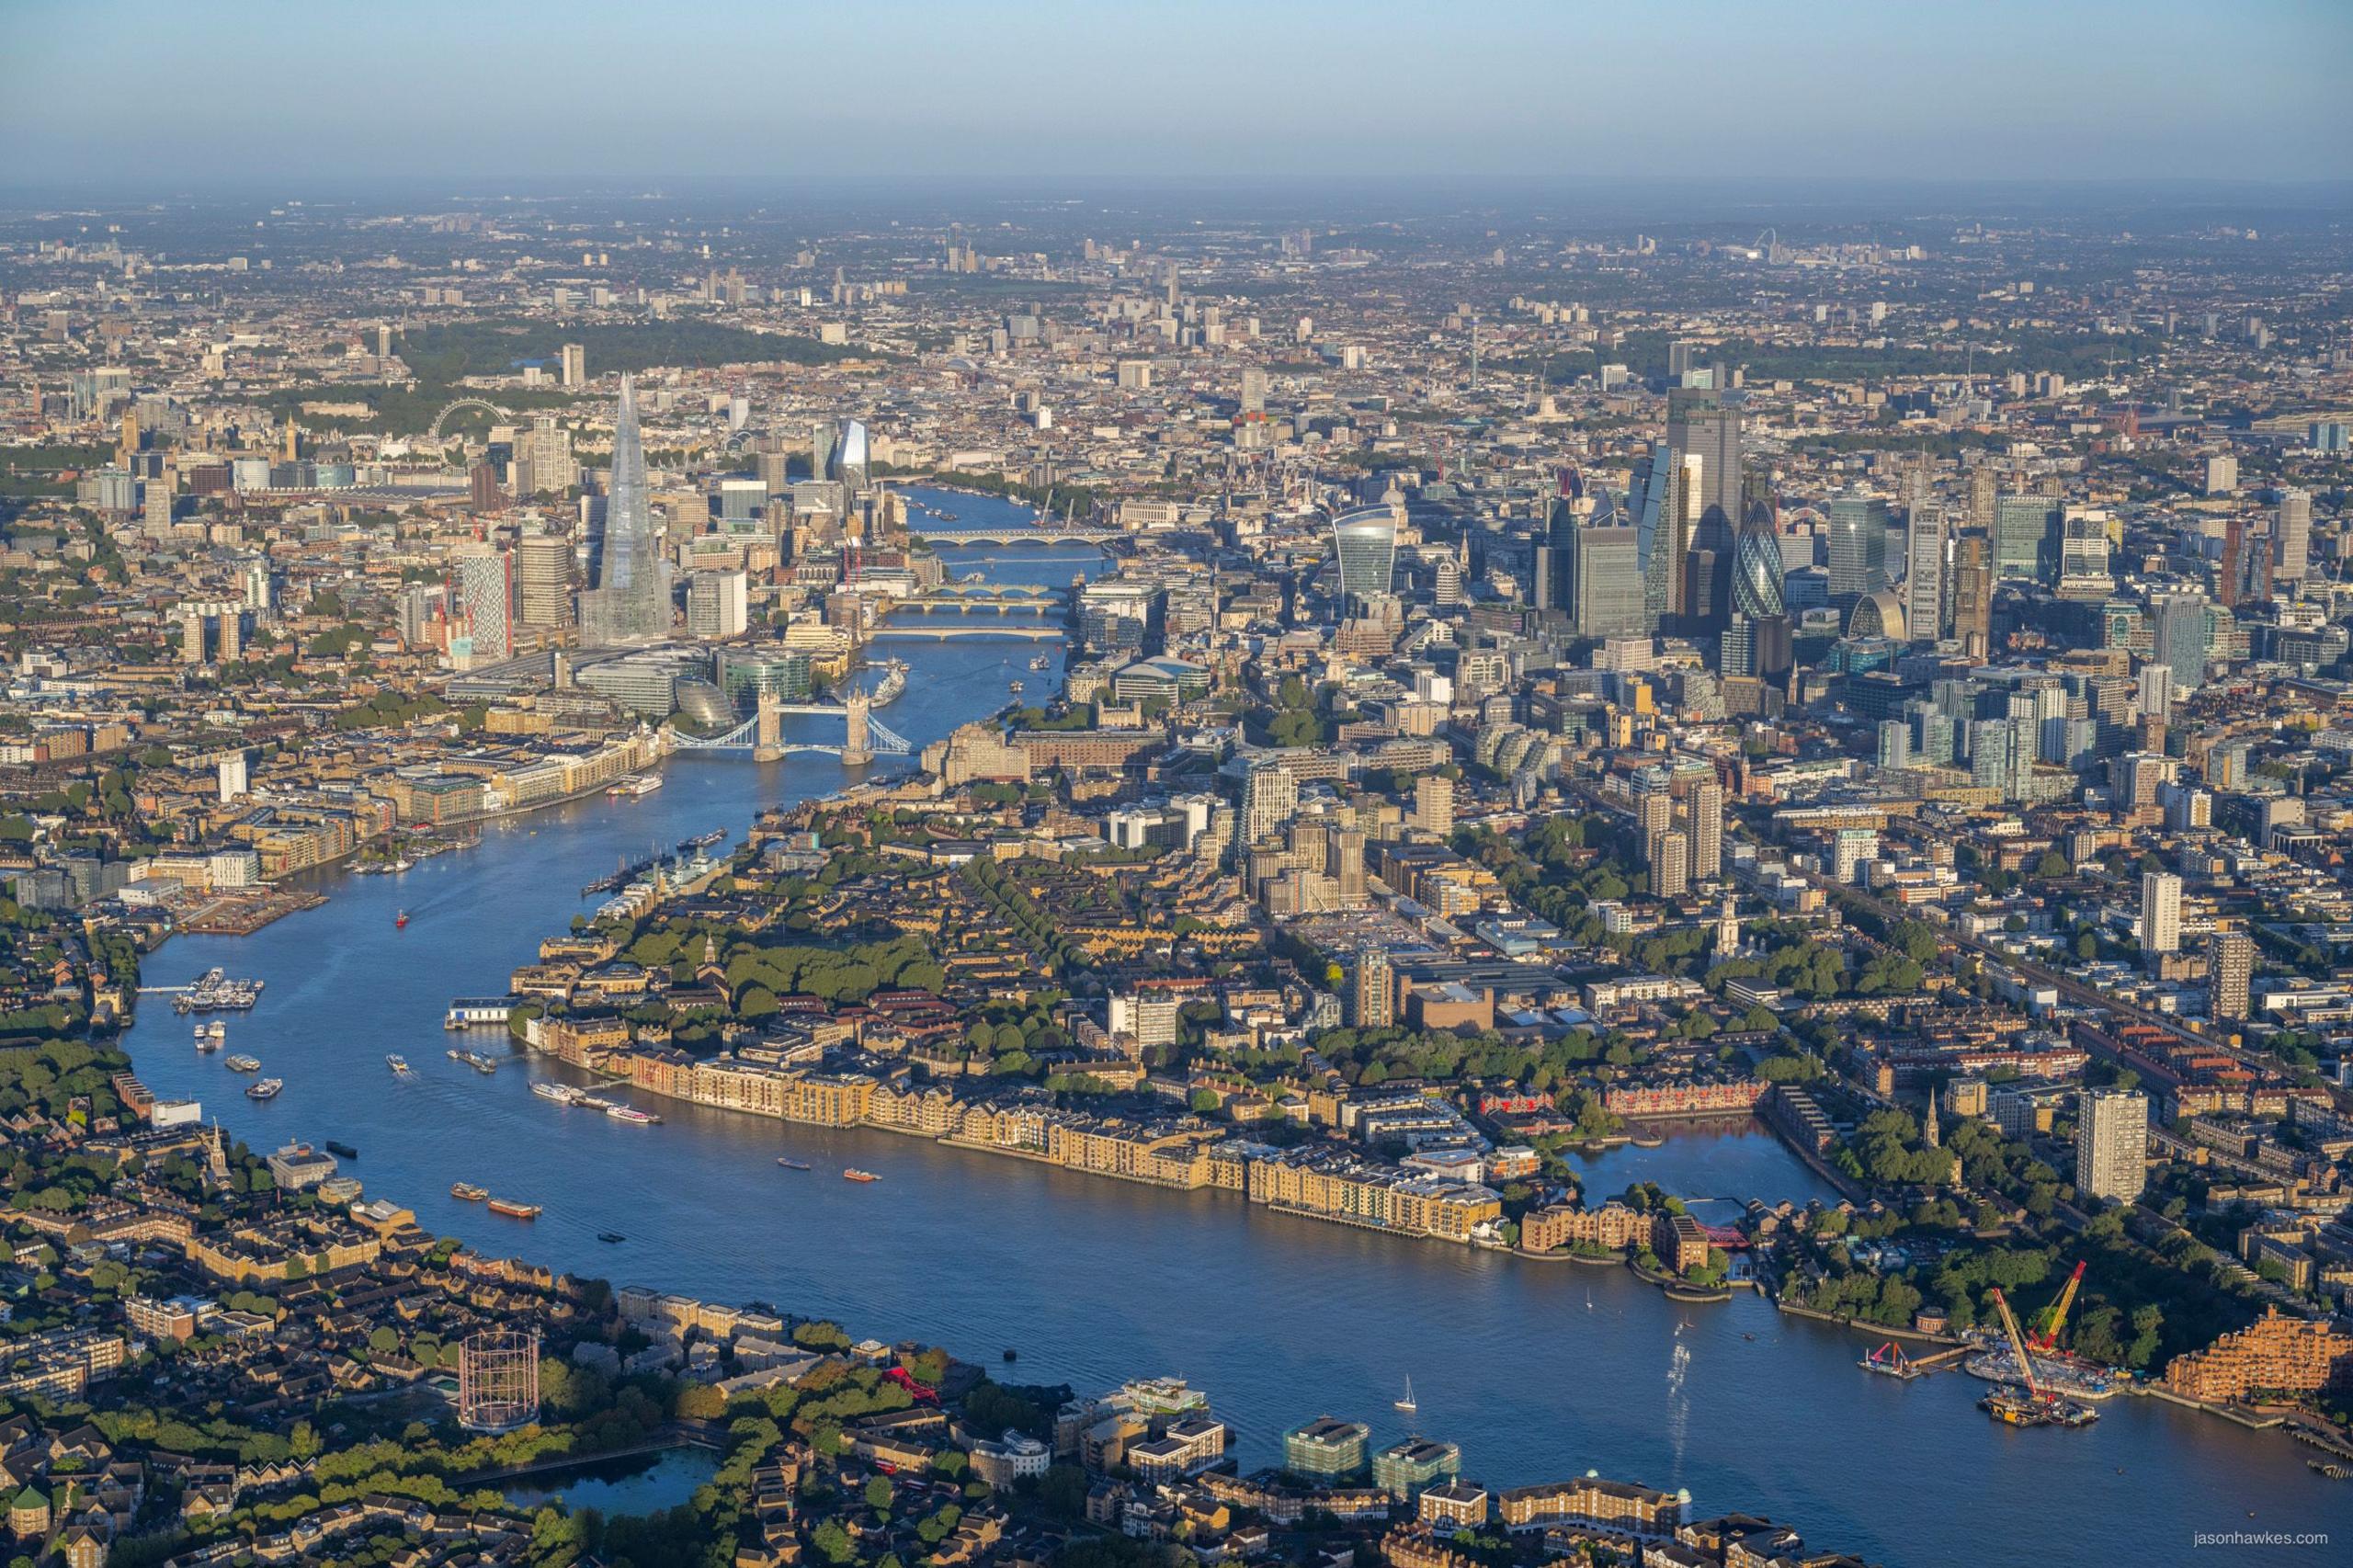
{"points": [[631, 602]]}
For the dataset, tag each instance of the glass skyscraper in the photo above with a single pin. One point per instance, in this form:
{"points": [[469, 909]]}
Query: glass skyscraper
{"points": [[1366, 541], [2025, 538], [1858, 548], [631, 602]]}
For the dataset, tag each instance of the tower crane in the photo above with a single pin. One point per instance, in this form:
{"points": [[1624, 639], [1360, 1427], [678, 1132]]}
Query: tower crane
{"points": [[2057, 1319]]}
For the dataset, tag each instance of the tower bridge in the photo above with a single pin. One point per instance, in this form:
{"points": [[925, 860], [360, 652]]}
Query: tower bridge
{"points": [[864, 737]]}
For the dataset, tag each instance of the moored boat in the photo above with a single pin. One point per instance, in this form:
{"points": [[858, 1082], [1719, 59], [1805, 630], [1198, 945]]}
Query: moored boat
{"points": [[241, 1064], [793, 1165], [341, 1151], [631, 1114], [467, 1191], [513, 1210], [268, 1089]]}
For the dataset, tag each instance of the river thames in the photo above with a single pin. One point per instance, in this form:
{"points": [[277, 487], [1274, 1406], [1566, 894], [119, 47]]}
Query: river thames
{"points": [[1538, 1369]]}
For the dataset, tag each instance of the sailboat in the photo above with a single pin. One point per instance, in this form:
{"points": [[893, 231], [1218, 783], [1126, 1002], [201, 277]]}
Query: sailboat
{"points": [[1406, 1403]]}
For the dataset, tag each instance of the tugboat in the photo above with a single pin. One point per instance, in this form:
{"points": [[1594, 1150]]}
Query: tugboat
{"points": [[852, 1173], [400, 920], [342, 1150], [268, 1089]]}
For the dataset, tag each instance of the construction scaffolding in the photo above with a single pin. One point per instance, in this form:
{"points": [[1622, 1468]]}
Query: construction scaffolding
{"points": [[498, 1380]]}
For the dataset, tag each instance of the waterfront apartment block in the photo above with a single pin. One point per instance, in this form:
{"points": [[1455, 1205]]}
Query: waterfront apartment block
{"points": [[1590, 1500], [1326, 1448], [1404, 1468], [1454, 1505], [2276, 1354]]}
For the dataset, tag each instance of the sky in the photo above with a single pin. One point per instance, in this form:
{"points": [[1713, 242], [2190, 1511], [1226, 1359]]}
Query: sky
{"points": [[1021, 94]]}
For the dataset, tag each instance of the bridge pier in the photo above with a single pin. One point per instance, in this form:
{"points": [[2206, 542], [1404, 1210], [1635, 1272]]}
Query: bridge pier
{"points": [[858, 748], [767, 743]]}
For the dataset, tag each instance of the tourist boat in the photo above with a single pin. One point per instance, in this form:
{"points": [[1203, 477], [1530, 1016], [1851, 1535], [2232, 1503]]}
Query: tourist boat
{"points": [[266, 1089], [399, 1064], [1406, 1403], [342, 1150], [631, 1113], [562, 1094], [467, 1191], [241, 1064], [615, 1237], [852, 1173], [793, 1164], [513, 1210], [636, 784], [400, 920]]}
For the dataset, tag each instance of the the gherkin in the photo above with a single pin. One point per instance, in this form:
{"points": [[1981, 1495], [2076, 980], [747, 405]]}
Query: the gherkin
{"points": [[1756, 570]]}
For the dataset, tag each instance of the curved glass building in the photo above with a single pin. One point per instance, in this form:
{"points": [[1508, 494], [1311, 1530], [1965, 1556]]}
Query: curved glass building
{"points": [[1756, 590], [1366, 541]]}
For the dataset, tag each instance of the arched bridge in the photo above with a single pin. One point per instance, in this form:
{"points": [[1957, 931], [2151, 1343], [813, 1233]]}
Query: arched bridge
{"points": [[985, 598]]}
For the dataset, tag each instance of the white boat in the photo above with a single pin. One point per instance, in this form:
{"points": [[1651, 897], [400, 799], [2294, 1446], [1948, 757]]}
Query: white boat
{"points": [[1406, 1403], [631, 1113], [399, 1064], [562, 1094]]}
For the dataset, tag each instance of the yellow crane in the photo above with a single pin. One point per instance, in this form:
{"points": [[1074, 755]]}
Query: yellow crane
{"points": [[2057, 1320]]}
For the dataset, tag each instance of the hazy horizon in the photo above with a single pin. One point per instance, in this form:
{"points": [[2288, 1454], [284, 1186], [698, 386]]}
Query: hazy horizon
{"points": [[132, 95]]}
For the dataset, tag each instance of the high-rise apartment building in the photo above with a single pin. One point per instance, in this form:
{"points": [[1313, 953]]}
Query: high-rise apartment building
{"points": [[2294, 536], [1376, 990], [2229, 977], [576, 365], [2160, 912], [1434, 805], [1707, 830], [2112, 1145], [1269, 798], [482, 594]]}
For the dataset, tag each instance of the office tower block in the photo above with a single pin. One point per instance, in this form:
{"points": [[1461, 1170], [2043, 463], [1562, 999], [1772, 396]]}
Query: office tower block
{"points": [[1972, 594], [2292, 540], [543, 580], [718, 604], [1603, 582], [1376, 990], [2229, 977], [2112, 1145], [1924, 575], [576, 365], [1254, 390], [1858, 548], [1699, 424], [2025, 538], [2230, 566], [1894, 743], [1365, 542], [631, 600], [2160, 912], [1434, 805], [1707, 830], [1983, 491]]}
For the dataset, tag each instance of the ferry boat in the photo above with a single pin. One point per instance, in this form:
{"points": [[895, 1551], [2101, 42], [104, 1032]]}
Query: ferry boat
{"points": [[636, 784], [241, 1064], [399, 1064], [268, 1089], [467, 1191], [852, 1173], [562, 1094], [631, 1114], [793, 1165], [513, 1210], [341, 1151]]}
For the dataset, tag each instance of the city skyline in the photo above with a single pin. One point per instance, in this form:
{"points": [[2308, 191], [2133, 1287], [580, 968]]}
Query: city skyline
{"points": [[1527, 97]]}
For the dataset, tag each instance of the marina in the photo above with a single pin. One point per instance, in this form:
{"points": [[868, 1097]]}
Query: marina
{"points": [[215, 991]]}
